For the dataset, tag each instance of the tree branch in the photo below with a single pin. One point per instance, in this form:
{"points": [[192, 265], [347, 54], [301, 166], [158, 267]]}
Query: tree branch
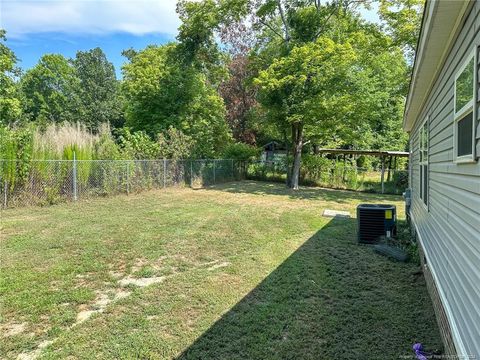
{"points": [[271, 28], [335, 8], [284, 21]]}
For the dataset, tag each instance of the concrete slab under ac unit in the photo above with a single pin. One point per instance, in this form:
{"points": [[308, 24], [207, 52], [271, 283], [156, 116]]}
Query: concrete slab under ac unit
{"points": [[336, 213]]}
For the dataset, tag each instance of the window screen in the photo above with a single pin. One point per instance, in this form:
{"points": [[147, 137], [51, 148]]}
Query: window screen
{"points": [[464, 105], [421, 181], [425, 184], [464, 135]]}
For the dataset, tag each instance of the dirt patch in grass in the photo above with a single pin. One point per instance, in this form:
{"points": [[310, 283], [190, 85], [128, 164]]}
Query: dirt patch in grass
{"points": [[219, 265], [100, 304], [141, 282], [12, 329], [32, 355], [85, 311]]}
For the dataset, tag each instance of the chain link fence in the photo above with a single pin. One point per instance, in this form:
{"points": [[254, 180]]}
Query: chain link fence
{"points": [[336, 176], [46, 182]]}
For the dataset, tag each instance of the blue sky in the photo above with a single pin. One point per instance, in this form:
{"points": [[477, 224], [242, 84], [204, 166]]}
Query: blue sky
{"points": [[36, 27], [31, 47]]}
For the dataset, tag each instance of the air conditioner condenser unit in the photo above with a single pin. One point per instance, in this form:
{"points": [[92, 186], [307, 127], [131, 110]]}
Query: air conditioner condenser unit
{"points": [[375, 221]]}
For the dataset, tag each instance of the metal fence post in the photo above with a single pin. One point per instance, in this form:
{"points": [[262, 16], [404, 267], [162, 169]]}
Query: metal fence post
{"points": [[233, 175], [164, 173], [5, 196], [191, 173], [214, 171], [74, 177], [128, 177], [160, 176], [383, 175]]}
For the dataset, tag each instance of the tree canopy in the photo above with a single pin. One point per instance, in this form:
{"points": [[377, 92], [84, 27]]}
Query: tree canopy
{"points": [[310, 87], [98, 89], [307, 73], [50, 90], [163, 92], [10, 103]]}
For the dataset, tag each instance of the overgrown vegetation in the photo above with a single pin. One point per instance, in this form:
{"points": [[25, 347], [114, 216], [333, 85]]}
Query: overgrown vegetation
{"points": [[321, 171], [240, 151], [66, 141]]}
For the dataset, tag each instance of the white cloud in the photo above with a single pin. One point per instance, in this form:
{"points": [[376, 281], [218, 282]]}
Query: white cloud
{"points": [[20, 17]]}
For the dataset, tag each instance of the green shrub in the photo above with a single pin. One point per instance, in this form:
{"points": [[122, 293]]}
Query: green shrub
{"points": [[314, 166], [351, 178], [174, 144], [16, 144], [106, 148], [400, 179], [137, 145], [52, 196], [364, 162], [241, 151]]}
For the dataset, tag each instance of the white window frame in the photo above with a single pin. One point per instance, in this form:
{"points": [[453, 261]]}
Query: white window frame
{"points": [[424, 154], [465, 110]]}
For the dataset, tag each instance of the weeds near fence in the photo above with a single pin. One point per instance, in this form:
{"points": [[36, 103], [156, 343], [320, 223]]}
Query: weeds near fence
{"points": [[332, 175], [47, 182]]}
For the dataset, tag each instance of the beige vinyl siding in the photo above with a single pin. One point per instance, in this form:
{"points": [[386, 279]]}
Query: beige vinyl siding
{"points": [[450, 228]]}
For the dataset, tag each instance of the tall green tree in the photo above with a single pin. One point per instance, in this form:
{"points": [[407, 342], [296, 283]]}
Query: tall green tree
{"points": [[371, 92], [162, 92], [311, 90], [315, 105], [10, 104], [383, 79], [98, 89], [51, 91], [351, 101], [402, 19]]}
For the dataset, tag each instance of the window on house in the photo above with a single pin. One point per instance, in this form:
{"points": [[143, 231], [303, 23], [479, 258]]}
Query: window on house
{"points": [[464, 129], [424, 163]]}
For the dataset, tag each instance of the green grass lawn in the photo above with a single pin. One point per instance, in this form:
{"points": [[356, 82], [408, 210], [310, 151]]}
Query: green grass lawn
{"points": [[242, 270]]}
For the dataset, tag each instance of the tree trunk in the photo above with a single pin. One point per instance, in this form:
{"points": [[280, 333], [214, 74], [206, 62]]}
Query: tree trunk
{"points": [[289, 174], [297, 137], [389, 168], [285, 23]]}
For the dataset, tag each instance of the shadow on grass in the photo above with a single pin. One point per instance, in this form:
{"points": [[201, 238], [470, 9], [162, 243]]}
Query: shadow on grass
{"points": [[309, 193], [331, 299]]}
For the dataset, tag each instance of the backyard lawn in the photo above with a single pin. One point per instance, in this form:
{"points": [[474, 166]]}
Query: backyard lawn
{"points": [[243, 270]]}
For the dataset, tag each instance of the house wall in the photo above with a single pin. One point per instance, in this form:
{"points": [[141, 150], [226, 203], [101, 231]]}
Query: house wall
{"points": [[449, 230], [440, 313], [478, 95]]}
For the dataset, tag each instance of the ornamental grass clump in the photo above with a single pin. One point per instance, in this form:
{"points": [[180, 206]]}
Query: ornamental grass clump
{"points": [[58, 142]]}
